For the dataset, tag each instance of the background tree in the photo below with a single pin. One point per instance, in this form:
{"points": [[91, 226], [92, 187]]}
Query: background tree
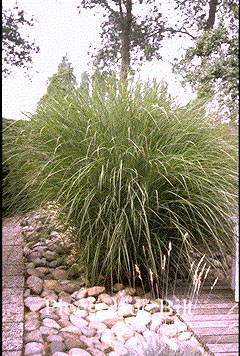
{"points": [[211, 64], [60, 86], [132, 31], [17, 51]]}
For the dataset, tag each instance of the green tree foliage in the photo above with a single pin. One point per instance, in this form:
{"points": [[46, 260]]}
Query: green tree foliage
{"points": [[60, 86], [211, 64], [17, 51], [129, 33]]}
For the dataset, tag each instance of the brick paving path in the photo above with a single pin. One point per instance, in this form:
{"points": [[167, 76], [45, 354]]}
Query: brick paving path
{"points": [[13, 288]]}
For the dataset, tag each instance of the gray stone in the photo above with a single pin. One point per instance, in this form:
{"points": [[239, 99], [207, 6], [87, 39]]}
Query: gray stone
{"points": [[50, 256], [59, 274], [59, 354], [64, 322], [35, 303], [50, 284], [57, 345], [43, 270], [32, 336], [31, 315], [95, 291], [117, 287], [40, 247], [81, 313], [38, 262], [65, 297], [122, 331], [96, 352], [82, 293], [78, 321], [102, 315], [26, 251], [35, 284], [28, 228], [88, 331], [78, 352], [34, 272], [126, 310], [31, 236], [71, 329], [103, 347], [34, 254], [50, 323], [105, 298], [45, 330], [48, 312], [152, 307], [29, 265], [49, 295], [51, 338], [56, 263], [32, 324], [89, 341], [55, 234], [34, 348], [27, 293], [83, 303], [71, 287], [155, 323], [73, 341]]}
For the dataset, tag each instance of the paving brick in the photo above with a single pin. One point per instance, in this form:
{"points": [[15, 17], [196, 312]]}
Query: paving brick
{"points": [[11, 232], [12, 255], [12, 296], [12, 269], [12, 336], [13, 282], [12, 353], [16, 240], [12, 312]]}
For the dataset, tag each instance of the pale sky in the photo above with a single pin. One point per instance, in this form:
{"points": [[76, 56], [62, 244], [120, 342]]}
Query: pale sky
{"points": [[60, 30]]}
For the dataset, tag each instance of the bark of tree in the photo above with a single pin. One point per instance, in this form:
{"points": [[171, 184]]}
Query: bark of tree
{"points": [[126, 26], [211, 14]]}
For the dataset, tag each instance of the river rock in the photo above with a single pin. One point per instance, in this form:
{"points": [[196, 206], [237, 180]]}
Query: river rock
{"points": [[34, 303], [78, 352], [59, 274], [34, 348], [95, 291], [33, 336], [78, 321], [122, 331], [50, 323], [32, 324], [35, 284], [73, 341]]}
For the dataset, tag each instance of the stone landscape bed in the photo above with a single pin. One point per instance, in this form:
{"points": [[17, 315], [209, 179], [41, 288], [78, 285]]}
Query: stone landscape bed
{"points": [[65, 316]]}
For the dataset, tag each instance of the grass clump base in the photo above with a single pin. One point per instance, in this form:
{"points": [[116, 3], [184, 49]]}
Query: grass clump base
{"points": [[138, 177]]}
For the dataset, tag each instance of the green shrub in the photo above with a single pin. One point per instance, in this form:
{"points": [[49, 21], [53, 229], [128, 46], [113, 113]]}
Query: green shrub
{"points": [[134, 173]]}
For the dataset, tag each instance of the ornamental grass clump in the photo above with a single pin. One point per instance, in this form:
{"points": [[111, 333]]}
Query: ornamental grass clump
{"points": [[135, 174]]}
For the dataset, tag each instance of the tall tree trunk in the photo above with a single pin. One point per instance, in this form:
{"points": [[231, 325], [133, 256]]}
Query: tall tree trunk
{"points": [[211, 14], [125, 55], [126, 24]]}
